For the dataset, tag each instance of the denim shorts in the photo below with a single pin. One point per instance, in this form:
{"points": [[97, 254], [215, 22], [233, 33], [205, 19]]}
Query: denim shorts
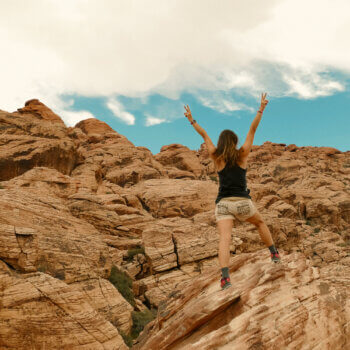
{"points": [[240, 208]]}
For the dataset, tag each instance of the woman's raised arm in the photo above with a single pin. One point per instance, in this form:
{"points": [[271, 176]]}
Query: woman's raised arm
{"points": [[247, 146], [208, 142]]}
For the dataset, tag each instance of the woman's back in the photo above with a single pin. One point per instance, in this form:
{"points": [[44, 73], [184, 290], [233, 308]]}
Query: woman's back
{"points": [[232, 182]]}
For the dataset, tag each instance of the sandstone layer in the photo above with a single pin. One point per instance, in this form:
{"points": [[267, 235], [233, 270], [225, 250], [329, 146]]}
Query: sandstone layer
{"points": [[78, 201]]}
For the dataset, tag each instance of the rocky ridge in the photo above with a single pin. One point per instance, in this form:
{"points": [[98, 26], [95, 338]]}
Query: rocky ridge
{"points": [[77, 201]]}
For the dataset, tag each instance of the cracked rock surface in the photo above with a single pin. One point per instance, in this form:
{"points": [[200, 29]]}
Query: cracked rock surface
{"points": [[76, 201]]}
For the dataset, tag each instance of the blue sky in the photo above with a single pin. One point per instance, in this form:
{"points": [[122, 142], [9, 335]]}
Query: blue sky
{"points": [[322, 121], [134, 64]]}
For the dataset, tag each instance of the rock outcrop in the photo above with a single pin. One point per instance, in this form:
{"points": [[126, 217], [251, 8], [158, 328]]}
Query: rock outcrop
{"points": [[38, 310], [34, 136], [97, 235], [291, 305]]}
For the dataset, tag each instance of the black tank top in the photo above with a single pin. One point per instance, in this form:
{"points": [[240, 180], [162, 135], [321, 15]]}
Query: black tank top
{"points": [[232, 182]]}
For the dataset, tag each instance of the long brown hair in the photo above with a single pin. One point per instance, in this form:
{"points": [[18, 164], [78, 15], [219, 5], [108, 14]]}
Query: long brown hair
{"points": [[226, 147]]}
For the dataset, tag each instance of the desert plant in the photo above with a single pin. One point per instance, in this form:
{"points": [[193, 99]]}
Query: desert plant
{"points": [[140, 319], [123, 283], [213, 178], [126, 337], [134, 251], [42, 268]]}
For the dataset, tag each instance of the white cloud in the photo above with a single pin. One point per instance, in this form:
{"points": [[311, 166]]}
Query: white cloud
{"points": [[73, 117], [118, 110], [64, 109], [222, 104], [154, 121], [135, 48], [311, 85], [164, 111]]}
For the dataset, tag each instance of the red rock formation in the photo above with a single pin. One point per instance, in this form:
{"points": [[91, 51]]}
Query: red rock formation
{"points": [[76, 201], [182, 158], [269, 306], [51, 314], [94, 126], [32, 137], [35, 107]]}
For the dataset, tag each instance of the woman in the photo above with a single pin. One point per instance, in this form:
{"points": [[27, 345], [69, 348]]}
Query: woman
{"points": [[233, 200]]}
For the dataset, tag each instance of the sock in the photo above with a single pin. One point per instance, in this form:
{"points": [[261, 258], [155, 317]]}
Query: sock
{"points": [[273, 249], [224, 272]]}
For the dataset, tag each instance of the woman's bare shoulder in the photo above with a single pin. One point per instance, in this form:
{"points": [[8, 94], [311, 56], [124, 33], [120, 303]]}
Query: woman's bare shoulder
{"points": [[242, 160]]}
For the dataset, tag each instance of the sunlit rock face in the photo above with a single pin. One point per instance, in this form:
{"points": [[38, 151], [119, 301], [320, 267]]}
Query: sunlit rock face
{"points": [[77, 201], [34, 136]]}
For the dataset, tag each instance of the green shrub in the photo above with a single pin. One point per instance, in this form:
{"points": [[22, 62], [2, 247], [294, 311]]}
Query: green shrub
{"points": [[126, 337], [308, 222], [139, 321], [134, 251], [213, 178], [42, 268], [316, 230], [123, 283]]}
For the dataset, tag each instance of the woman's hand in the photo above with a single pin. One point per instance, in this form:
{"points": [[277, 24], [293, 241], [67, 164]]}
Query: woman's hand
{"points": [[188, 113], [264, 102]]}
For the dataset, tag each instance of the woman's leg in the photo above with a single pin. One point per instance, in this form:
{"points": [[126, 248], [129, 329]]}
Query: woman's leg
{"points": [[265, 235], [225, 230], [264, 231]]}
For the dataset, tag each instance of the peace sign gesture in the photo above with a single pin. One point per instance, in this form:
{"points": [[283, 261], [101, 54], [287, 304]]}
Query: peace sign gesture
{"points": [[264, 102], [188, 113]]}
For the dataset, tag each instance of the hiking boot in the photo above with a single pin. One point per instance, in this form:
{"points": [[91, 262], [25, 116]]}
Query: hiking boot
{"points": [[225, 282], [275, 257]]}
